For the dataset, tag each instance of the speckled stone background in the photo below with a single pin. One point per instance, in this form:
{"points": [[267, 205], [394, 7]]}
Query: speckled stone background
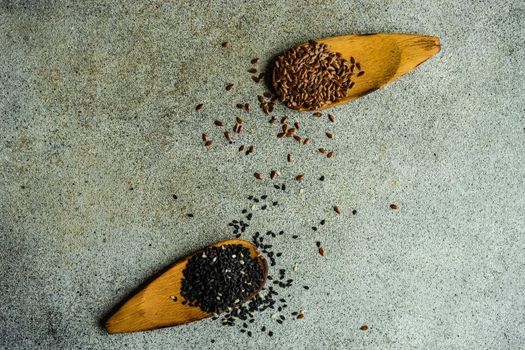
{"points": [[98, 130]]}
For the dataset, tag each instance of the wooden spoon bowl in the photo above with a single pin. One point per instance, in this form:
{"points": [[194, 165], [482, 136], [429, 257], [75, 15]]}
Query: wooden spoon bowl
{"points": [[159, 304], [383, 57]]}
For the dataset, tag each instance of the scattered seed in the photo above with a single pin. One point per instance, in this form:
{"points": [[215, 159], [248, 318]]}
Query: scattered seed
{"points": [[337, 209], [300, 316], [257, 176], [284, 119], [254, 60], [393, 206], [360, 73], [239, 105], [199, 107], [289, 158], [306, 141], [204, 137], [329, 135], [300, 177], [321, 251], [229, 87], [364, 327], [330, 154], [208, 143], [331, 118], [219, 123], [239, 120], [318, 244], [251, 149], [246, 107], [297, 138], [273, 174], [322, 150], [280, 135], [321, 178], [225, 44], [256, 79], [228, 136], [318, 114], [297, 125], [252, 70]]}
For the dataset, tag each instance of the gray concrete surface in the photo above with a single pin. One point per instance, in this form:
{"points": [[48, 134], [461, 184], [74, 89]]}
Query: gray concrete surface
{"points": [[97, 98]]}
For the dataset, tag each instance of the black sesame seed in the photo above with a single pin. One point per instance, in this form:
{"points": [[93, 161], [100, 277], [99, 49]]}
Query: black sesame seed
{"points": [[275, 203], [283, 187], [294, 236], [190, 215], [244, 211], [270, 333], [354, 212], [276, 187], [321, 178], [323, 222], [314, 228], [318, 244], [306, 287], [264, 197]]}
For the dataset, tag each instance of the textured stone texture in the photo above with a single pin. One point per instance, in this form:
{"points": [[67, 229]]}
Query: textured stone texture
{"points": [[97, 98]]}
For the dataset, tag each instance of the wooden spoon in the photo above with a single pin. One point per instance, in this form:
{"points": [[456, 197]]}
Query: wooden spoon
{"points": [[383, 57], [155, 307]]}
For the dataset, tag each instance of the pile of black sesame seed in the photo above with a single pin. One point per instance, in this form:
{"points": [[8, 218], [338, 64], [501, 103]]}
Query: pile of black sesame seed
{"points": [[221, 277]]}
